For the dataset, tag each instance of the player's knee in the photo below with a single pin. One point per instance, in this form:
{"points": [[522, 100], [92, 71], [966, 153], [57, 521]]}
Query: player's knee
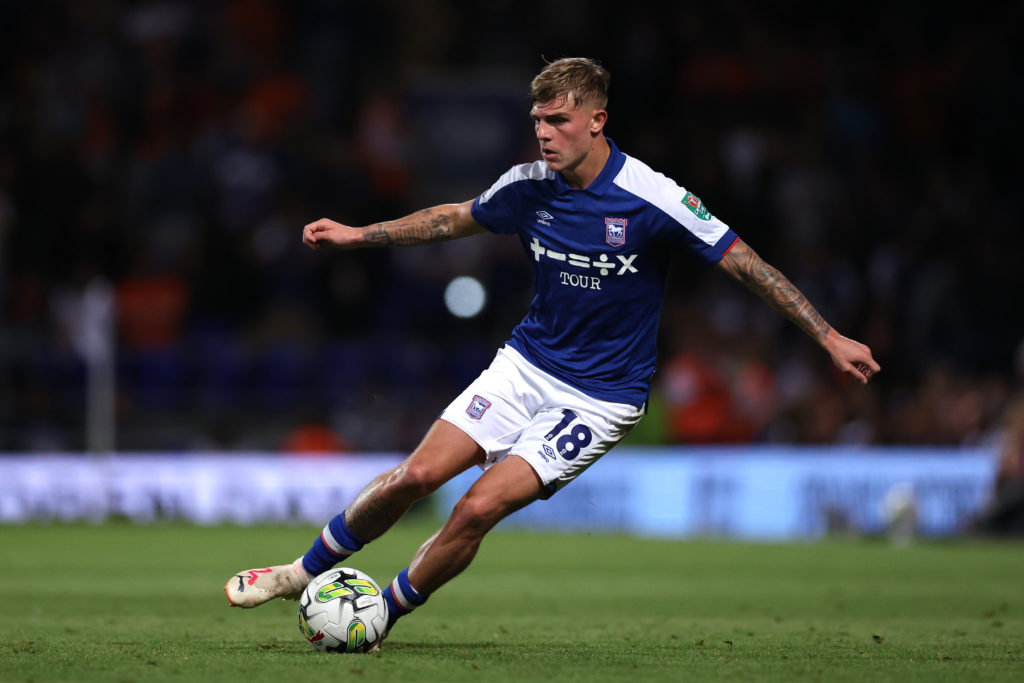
{"points": [[417, 478]]}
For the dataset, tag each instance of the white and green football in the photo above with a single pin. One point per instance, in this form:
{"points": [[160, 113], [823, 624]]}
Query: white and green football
{"points": [[342, 610]]}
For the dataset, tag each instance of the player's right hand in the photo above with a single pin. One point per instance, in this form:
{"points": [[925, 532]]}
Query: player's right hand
{"points": [[328, 233]]}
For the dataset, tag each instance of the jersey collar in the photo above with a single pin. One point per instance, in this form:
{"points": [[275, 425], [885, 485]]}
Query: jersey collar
{"points": [[604, 179]]}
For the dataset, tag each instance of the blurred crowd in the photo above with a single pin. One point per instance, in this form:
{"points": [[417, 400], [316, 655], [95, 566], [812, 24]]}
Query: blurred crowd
{"points": [[164, 155]]}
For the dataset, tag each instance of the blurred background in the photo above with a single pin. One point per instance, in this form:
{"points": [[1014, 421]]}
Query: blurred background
{"points": [[159, 159]]}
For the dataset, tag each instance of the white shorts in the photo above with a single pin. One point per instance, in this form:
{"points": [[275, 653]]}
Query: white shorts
{"points": [[513, 407]]}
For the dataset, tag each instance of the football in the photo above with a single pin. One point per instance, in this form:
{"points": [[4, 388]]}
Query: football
{"points": [[342, 610]]}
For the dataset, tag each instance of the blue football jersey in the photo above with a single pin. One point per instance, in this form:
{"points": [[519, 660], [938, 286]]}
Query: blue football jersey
{"points": [[600, 258]]}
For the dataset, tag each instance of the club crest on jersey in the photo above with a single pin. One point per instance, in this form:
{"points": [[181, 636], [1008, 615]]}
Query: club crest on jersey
{"points": [[695, 205], [615, 231], [477, 407]]}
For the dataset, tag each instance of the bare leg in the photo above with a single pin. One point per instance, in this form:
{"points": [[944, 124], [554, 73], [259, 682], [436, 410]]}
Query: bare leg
{"points": [[445, 452], [500, 491]]}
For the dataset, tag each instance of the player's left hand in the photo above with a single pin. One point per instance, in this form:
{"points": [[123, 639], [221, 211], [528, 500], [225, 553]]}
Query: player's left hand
{"points": [[852, 357]]}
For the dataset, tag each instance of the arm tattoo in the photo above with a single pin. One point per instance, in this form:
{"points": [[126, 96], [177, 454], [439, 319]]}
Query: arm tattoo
{"points": [[422, 227], [767, 282]]}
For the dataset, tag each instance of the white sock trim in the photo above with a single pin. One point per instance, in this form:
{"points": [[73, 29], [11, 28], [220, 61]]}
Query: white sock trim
{"points": [[400, 598], [333, 545]]}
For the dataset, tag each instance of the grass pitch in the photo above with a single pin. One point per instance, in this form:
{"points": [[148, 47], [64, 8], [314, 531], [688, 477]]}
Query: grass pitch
{"points": [[119, 602]]}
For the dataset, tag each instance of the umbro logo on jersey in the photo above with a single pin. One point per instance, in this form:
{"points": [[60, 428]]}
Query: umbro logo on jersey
{"points": [[544, 218]]}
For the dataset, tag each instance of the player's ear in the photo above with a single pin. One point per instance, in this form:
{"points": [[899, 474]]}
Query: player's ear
{"points": [[597, 121]]}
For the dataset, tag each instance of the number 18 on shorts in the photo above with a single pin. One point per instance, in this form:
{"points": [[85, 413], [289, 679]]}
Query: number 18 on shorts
{"points": [[514, 408]]}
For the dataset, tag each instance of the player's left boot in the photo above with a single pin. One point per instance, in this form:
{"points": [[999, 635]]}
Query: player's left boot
{"points": [[253, 587]]}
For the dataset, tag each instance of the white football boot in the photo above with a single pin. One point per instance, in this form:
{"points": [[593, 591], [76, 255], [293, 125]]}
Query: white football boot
{"points": [[253, 587]]}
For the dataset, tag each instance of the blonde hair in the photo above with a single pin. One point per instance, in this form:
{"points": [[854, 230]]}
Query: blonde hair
{"points": [[583, 78]]}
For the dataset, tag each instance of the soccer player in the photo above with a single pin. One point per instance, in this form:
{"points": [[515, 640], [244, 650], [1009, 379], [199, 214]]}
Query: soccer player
{"points": [[599, 228]]}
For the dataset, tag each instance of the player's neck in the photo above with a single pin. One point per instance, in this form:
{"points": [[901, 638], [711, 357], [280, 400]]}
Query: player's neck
{"points": [[587, 170]]}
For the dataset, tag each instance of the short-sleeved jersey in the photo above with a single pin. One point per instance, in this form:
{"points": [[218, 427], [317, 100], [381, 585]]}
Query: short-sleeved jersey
{"points": [[600, 258]]}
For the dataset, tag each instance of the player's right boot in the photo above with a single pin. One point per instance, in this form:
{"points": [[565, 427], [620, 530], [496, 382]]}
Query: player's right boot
{"points": [[253, 587]]}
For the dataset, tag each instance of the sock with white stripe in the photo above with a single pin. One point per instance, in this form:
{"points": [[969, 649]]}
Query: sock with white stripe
{"points": [[401, 597], [336, 542]]}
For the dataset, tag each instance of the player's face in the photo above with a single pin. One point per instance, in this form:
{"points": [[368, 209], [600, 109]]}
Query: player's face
{"points": [[565, 133]]}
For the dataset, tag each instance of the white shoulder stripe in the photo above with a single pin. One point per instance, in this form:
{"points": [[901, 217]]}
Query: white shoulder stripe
{"points": [[655, 188], [538, 170]]}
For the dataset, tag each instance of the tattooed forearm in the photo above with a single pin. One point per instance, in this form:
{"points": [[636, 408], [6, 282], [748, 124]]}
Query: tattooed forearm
{"points": [[767, 282], [422, 227]]}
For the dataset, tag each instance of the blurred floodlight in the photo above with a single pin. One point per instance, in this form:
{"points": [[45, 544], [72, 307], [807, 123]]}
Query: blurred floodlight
{"points": [[465, 297]]}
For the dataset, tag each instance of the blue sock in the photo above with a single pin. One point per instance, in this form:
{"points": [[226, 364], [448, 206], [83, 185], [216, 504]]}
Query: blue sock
{"points": [[401, 597], [336, 542]]}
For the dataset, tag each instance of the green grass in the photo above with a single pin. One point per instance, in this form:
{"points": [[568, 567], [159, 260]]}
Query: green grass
{"points": [[119, 602]]}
